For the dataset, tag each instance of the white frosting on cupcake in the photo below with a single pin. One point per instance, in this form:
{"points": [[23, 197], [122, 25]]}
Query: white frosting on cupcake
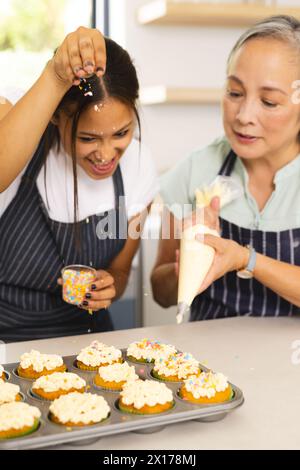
{"points": [[146, 392], [98, 353], [8, 392], [118, 372], [149, 350], [78, 408], [17, 415], [40, 361], [59, 381], [1, 370], [207, 384], [180, 364]]}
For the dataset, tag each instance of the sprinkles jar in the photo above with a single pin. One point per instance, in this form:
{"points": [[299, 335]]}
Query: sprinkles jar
{"points": [[76, 282]]}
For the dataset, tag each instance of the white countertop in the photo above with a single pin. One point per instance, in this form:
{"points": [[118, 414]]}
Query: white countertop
{"points": [[254, 353]]}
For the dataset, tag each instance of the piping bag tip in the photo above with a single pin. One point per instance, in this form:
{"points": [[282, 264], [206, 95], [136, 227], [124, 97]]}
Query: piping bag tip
{"points": [[182, 310]]}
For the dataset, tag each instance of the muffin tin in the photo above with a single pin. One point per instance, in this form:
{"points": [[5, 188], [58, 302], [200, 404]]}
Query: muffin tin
{"points": [[49, 433]]}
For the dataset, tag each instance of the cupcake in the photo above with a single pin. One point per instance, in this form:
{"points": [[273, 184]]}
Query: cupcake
{"points": [[18, 419], [79, 409], [54, 385], [147, 350], [96, 355], [145, 397], [176, 368], [34, 364], [113, 377], [9, 392], [208, 387], [2, 373]]}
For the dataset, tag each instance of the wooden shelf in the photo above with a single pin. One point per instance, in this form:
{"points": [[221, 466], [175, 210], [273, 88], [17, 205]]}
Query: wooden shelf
{"points": [[167, 95], [166, 12]]}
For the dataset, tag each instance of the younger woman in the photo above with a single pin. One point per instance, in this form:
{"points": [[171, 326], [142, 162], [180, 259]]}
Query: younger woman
{"points": [[71, 176]]}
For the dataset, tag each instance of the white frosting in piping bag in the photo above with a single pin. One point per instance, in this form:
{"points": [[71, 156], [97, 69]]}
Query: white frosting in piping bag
{"points": [[196, 259]]}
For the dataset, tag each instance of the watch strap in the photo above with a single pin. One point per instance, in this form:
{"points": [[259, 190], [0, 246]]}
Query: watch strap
{"points": [[252, 259]]}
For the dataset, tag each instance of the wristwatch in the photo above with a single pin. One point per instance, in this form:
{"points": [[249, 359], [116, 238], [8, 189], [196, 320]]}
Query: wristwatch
{"points": [[247, 272]]}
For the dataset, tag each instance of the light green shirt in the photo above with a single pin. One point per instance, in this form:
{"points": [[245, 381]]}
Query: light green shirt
{"points": [[281, 212]]}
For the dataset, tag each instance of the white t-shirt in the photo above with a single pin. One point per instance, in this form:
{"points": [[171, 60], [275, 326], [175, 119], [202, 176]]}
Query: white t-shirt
{"points": [[94, 196]]}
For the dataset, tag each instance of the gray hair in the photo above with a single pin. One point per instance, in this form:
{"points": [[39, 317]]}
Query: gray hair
{"points": [[282, 27]]}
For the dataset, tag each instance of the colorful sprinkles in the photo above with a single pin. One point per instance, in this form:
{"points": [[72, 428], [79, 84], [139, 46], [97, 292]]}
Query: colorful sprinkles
{"points": [[85, 87], [76, 284]]}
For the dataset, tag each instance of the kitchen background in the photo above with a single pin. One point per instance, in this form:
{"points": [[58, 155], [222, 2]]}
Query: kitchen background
{"points": [[180, 50]]}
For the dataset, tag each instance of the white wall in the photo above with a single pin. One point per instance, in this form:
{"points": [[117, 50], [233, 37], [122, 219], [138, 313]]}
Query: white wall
{"points": [[192, 56], [176, 56]]}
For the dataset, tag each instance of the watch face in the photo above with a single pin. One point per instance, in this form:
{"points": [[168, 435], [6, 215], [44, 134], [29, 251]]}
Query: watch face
{"points": [[245, 274]]}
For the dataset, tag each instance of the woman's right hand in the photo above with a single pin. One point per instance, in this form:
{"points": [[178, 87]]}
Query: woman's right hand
{"points": [[81, 54]]}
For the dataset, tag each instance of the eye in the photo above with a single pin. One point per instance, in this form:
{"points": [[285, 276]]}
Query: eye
{"points": [[269, 104], [121, 134], [86, 139], [234, 94]]}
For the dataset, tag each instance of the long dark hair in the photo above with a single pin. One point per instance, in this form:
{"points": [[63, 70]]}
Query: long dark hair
{"points": [[119, 81]]}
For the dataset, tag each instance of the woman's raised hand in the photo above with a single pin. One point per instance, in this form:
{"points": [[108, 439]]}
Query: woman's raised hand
{"points": [[81, 54]]}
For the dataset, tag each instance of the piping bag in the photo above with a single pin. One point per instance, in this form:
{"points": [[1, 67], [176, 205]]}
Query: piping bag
{"points": [[196, 258]]}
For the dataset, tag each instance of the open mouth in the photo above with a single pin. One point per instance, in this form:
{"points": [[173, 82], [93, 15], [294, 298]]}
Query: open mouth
{"points": [[102, 168]]}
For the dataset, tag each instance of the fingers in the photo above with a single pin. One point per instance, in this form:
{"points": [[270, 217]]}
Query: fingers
{"points": [[104, 294], [211, 240], [99, 299], [91, 45], [99, 53], [82, 53], [61, 64], [75, 61], [86, 50], [104, 279]]}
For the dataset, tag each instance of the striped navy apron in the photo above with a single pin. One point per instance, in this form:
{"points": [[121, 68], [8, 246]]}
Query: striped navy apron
{"points": [[34, 249], [231, 296]]}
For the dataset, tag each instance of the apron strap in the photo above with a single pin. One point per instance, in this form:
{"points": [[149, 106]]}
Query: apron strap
{"points": [[35, 164], [120, 206], [228, 164]]}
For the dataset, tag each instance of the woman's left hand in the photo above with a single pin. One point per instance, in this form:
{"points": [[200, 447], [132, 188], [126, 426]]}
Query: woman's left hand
{"points": [[101, 293], [229, 256]]}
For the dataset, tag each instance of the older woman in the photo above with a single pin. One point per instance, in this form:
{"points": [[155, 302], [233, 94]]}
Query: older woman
{"points": [[260, 232]]}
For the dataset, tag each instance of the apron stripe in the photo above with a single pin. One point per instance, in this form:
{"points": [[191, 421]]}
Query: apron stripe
{"points": [[277, 309], [23, 269], [238, 289]]}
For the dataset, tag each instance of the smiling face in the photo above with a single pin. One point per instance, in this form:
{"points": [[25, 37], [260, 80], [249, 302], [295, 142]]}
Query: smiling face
{"points": [[104, 132], [259, 117]]}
